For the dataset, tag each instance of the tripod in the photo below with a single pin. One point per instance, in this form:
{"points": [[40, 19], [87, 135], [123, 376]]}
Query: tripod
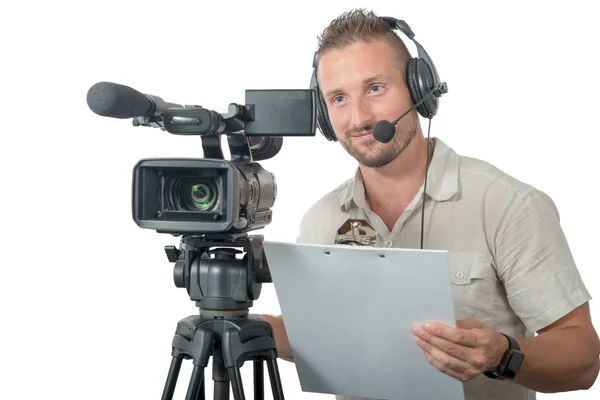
{"points": [[223, 288]]}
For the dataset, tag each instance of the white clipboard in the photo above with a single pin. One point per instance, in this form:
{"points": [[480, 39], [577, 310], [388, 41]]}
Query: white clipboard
{"points": [[349, 312]]}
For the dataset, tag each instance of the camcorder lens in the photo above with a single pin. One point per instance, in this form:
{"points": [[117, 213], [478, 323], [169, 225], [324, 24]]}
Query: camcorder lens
{"points": [[192, 194], [200, 192], [202, 196]]}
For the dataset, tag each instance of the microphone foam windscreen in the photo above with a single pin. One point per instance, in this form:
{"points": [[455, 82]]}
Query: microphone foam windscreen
{"points": [[117, 101], [384, 131]]}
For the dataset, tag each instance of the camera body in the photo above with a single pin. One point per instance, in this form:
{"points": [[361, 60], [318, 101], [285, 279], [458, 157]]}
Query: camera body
{"points": [[197, 196], [209, 195]]}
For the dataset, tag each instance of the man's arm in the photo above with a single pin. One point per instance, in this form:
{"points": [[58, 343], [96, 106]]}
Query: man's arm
{"points": [[543, 286], [564, 356], [281, 339]]}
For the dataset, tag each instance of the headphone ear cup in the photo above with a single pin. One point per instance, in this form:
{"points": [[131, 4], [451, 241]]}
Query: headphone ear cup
{"points": [[412, 81], [322, 116], [420, 80]]}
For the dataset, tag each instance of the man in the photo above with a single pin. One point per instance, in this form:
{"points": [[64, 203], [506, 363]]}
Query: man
{"points": [[512, 271]]}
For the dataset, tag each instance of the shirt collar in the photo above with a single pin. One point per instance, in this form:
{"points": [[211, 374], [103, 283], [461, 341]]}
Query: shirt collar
{"points": [[442, 179]]}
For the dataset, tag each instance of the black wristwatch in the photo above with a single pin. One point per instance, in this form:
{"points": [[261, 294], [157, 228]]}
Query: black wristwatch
{"points": [[510, 363]]}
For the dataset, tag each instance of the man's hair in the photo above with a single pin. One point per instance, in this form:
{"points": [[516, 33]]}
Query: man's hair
{"points": [[360, 25]]}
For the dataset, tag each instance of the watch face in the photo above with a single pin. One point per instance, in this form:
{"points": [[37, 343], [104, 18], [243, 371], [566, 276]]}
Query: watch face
{"points": [[514, 363]]}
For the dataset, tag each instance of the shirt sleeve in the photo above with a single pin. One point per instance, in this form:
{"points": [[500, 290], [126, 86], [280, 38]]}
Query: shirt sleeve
{"points": [[535, 263]]}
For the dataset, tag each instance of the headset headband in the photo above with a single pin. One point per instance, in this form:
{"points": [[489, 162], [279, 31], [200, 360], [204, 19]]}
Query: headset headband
{"points": [[395, 23]]}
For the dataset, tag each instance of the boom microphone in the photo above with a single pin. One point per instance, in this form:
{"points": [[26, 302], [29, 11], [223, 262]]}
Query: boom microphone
{"points": [[119, 101], [384, 130]]}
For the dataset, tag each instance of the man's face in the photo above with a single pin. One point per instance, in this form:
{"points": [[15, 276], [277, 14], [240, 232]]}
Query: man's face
{"points": [[361, 85]]}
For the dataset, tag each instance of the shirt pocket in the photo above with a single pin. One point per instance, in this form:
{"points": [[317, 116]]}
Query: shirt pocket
{"points": [[474, 286]]}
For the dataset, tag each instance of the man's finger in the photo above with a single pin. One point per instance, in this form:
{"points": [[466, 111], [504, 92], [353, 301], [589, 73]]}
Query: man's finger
{"points": [[454, 374], [446, 363], [454, 349], [460, 336]]}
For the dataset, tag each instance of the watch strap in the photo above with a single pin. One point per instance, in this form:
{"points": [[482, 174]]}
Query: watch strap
{"points": [[514, 345], [503, 371]]}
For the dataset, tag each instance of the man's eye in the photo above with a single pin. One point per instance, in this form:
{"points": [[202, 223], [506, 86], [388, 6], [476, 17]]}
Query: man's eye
{"points": [[376, 88], [337, 99]]}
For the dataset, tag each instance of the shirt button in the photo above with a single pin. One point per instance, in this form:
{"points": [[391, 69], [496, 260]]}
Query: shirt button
{"points": [[388, 243], [459, 275]]}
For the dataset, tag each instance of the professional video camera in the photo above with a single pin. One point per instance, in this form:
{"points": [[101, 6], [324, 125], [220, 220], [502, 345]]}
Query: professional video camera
{"points": [[212, 204]]}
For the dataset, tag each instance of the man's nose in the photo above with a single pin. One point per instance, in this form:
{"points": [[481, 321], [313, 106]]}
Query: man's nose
{"points": [[361, 112]]}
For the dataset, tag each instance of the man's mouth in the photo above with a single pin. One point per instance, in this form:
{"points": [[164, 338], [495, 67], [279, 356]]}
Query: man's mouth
{"points": [[363, 134]]}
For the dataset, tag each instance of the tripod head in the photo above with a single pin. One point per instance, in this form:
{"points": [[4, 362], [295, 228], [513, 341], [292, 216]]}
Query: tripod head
{"points": [[222, 285], [210, 202]]}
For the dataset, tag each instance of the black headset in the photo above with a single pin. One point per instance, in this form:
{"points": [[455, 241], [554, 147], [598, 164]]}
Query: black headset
{"points": [[421, 78]]}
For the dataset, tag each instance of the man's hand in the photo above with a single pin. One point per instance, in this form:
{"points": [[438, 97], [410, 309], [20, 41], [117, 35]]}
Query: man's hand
{"points": [[463, 352]]}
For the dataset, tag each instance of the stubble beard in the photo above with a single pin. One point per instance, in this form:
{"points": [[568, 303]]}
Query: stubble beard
{"points": [[374, 154]]}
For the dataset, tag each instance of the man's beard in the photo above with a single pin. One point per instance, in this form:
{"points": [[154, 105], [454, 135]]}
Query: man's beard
{"points": [[386, 153]]}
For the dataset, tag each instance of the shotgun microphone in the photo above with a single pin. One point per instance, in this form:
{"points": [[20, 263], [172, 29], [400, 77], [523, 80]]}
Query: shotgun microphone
{"points": [[113, 100]]}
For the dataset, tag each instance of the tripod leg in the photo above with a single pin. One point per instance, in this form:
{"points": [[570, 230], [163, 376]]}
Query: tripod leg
{"points": [[219, 375], [259, 390], [201, 391], [169, 389], [236, 382], [195, 383], [221, 391], [275, 379]]}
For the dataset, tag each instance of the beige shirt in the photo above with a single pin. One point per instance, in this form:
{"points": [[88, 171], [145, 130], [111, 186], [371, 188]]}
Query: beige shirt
{"points": [[511, 264]]}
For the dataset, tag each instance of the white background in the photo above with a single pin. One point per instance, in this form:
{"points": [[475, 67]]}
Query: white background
{"points": [[88, 302]]}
